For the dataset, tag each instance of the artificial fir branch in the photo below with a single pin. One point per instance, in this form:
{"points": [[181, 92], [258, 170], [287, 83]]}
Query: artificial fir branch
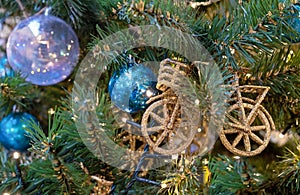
{"points": [[253, 31], [245, 34], [289, 168], [279, 71], [16, 91], [160, 13], [237, 171], [188, 176], [285, 179], [8, 178], [49, 147]]}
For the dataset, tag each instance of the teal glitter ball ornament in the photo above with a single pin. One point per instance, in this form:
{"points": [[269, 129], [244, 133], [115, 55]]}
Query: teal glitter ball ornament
{"points": [[44, 49], [5, 69], [132, 86], [141, 94], [293, 19], [12, 131]]}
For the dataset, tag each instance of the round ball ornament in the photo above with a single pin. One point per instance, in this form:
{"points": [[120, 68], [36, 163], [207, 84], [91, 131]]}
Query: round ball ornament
{"points": [[12, 131], [132, 86], [43, 49], [5, 69]]}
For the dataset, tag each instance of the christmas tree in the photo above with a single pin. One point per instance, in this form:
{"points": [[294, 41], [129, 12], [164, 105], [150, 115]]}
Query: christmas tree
{"points": [[149, 97]]}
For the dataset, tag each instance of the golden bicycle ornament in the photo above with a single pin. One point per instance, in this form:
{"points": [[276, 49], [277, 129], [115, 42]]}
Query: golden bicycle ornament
{"points": [[246, 131], [173, 123], [248, 125]]}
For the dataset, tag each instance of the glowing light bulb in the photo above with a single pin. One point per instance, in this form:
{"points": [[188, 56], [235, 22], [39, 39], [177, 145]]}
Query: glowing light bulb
{"points": [[16, 155]]}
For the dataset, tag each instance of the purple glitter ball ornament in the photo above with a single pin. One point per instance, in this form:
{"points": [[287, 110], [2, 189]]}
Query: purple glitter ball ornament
{"points": [[44, 49]]}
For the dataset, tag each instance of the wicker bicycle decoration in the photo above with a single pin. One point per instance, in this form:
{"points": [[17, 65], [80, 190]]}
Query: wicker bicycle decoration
{"points": [[248, 125], [246, 118], [172, 122]]}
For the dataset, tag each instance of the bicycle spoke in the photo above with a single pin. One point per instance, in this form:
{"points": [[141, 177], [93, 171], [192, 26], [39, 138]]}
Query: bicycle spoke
{"points": [[166, 112], [233, 119], [157, 118], [231, 131], [174, 113], [155, 129], [247, 143], [161, 139], [257, 104], [242, 117], [253, 118], [258, 128], [256, 138], [171, 141], [237, 139], [235, 126]]}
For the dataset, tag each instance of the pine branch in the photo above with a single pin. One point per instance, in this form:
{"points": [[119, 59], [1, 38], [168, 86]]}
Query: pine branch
{"points": [[16, 91], [74, 12], [231, 175], [286, 175], [253, 27], [290, 169], [278, 70], [159, 13], [271, 68], [249, 37], [56, 177], [8, 179], [55, 168], [187, 176]]}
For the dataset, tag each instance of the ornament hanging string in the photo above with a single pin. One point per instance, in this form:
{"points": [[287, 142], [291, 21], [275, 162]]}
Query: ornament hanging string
{"points": [[22, 8]]}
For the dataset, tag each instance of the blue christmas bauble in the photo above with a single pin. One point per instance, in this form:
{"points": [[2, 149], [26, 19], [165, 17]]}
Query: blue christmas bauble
{"points": [[131, 87], [294, 21], [44, 49], [5, 69], [141, 94], [12, 131]]}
